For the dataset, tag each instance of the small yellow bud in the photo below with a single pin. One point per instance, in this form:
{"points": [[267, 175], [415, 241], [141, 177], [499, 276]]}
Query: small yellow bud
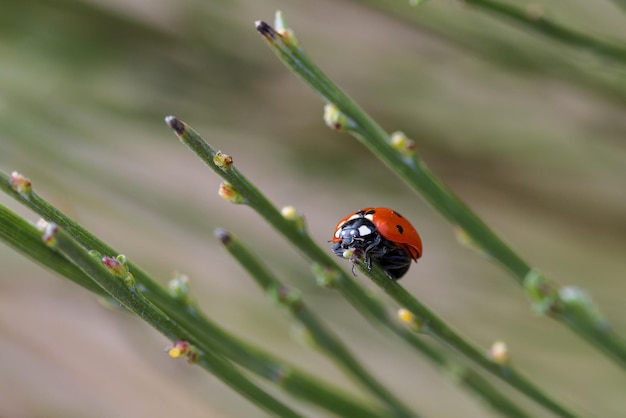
{"points": [[289, 212], [20, 184], [409, 318], [403, 144], [222, 160], [334, 119], [115, 267], [179, 349], [228, 193], [174, 352], [499, 353], [406, 316]]}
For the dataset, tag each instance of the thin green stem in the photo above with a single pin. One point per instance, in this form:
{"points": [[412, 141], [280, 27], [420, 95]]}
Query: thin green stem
{"points": [[26, 239], [128, 295], [242, 190], [322, 337], [290, 378], [435, 327], [468, 378], [208, 336], [415, 173], [552, 30]]}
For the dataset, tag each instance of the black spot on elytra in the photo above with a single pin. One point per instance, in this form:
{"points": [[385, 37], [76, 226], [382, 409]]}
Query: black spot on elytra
{"points": [[400, 229], [370, 212]]}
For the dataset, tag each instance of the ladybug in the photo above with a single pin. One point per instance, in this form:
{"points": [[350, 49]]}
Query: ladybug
{"points": [[379, 234]]}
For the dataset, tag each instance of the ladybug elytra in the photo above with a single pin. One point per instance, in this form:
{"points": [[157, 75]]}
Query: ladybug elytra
{"points": [[379, 234]]}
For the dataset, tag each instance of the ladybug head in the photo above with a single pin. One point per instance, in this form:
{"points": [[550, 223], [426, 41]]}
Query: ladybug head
{"points": [[353, 231], [359, 234]]}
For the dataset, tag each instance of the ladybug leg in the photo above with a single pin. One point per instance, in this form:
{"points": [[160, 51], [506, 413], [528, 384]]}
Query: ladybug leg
{"points": [[374, 249], [371, 248], [359, 255], [354, 269]]}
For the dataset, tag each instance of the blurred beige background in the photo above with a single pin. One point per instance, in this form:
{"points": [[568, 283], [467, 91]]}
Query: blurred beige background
{"points": [[529, 132]]}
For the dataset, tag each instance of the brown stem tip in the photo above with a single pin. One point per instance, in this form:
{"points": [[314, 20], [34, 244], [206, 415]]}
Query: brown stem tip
{"points": [[223, 236], [265, 30], [176, 124]]}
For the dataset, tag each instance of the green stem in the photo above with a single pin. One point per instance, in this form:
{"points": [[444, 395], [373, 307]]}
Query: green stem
{"points": [[127, 294], [438, 329], [552, 30], [415, 173], [249, 194], [321, 335], [376, 312], [208, 336], [26, 239]]}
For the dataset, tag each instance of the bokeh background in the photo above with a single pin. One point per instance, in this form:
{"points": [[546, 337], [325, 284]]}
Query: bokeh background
{"points": [[530, 133]]}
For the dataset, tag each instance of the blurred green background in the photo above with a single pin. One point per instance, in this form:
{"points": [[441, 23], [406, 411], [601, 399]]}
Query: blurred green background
{"points": [[529, 132]]}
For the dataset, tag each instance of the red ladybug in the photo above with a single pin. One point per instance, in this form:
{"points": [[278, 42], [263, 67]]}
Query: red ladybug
{"points": [[382, 235]]}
